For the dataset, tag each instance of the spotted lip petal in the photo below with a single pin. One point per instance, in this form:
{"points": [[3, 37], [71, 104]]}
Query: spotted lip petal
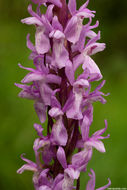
{"points": [[59, 134]]}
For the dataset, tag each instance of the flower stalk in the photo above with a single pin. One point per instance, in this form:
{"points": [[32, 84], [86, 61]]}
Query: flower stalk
{"points": [[62, 45]]}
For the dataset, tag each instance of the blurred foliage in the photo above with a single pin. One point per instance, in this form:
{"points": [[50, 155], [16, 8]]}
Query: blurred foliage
{"points": [[17, 115]]}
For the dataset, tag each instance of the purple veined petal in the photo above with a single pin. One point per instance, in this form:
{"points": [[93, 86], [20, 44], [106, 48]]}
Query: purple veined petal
{"points": [[94, 48], [42, 19], [69, 102], [55, 112], [96, 98], [41, 111], [54, 101], [72, 6], [67, 182], [39, 129], [48, 154], [49, 13], [80, 84], [91, 182], [59, 185], [62, 157], [95, 25], [73, 29], [91, 34], [106, 186], [57, 182], [28, 161], [26, 94], [32, 20], [30, 77], [31, 166], [32, 13], [75, 110], [26, 68], [100, 85], [81, 158], [69, 72], [23, 86], [51, 78], [60, 54], [38, 11], [42, 43], [100, 132], [30, 44], [43, 179], [96, 144], [38, 143], [46, 93], [26, 167], [93, 68], [85, 128], [33, 55], [77, 61], [85, 14], [46, 23], [73, 174], [56, 24], [84, 5], [80, 44], [57, 34], [84, 75], [39, 64], [93, 40], [59, 134], [41, 143]]}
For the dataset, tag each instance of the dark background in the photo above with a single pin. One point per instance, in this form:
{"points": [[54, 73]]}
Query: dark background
{"points": [[17, 115]]}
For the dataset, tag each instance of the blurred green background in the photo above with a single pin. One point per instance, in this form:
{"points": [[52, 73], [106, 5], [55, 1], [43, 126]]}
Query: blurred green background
{"points": [[17, 115]]}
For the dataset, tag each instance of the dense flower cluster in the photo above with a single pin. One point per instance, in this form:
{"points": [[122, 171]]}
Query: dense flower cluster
{"points": [[62, 45]]}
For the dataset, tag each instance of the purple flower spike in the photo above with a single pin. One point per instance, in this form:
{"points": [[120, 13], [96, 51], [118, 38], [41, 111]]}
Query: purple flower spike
{"points": [[63, 100]]}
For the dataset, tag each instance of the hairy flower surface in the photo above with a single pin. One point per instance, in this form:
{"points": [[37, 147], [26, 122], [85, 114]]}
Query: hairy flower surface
{"points": [[62, 45]]}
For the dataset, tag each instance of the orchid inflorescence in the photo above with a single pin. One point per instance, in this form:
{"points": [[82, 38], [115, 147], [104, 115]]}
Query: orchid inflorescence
{"points": [[62, 45]]}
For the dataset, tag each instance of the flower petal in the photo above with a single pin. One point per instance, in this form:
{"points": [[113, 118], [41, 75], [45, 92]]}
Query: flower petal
{"points": [[92, 67], [96, 144], [74, 174], [72, 6], [41, 111], [55, 112], [39, 129], [30, 77], [26, 167], [69, 71], [32, 20], [62, 157], [49, 12], [59, 134], [91, 182], [42, 43], [73, 29], [106, 186], [30, 44]]}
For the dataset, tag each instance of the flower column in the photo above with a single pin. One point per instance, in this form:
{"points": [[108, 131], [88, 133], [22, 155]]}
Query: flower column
{"points": [[62, 44]]}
